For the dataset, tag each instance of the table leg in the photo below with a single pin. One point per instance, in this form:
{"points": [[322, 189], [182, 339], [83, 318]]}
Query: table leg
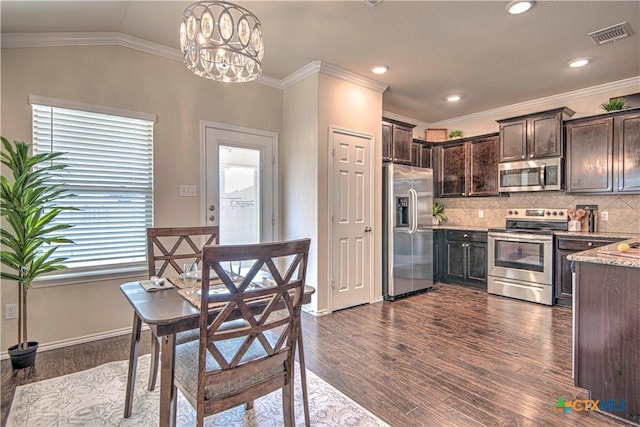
{"points": [[303, 379], [168, 392], [133, 364]]}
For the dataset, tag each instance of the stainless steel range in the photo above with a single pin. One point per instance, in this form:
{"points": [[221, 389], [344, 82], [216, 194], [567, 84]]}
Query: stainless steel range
{"points": [[520, 259]]}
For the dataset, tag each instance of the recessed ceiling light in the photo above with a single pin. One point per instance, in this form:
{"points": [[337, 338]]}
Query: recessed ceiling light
{"points": [[379, 69], [453, 98], [577, 63], [519, 6]]}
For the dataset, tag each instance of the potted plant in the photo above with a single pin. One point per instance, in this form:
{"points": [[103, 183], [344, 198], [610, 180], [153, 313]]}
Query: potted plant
{"points": [[28, 207], [614, 104], [454, 134], [438, 213]]}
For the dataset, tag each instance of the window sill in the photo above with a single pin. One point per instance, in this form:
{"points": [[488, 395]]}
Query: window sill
{"points": [[71, 277]]}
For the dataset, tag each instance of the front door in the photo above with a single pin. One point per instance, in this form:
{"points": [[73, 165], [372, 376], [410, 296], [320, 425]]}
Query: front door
{"points": [[351, 237], [240, 183]]}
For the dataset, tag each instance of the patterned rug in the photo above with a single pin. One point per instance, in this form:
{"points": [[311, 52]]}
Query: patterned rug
{"points": [[95, 397]]}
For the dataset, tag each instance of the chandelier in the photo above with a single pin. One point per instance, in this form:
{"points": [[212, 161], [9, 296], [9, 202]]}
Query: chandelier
{"points": [[222, 41]]}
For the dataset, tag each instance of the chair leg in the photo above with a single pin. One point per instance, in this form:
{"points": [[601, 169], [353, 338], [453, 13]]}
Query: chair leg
{"points": [[248, 405], [155, 357], [288, 413]]}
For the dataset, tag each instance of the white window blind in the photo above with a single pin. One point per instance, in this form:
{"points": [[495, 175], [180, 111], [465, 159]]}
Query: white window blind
{"points": [[109, 162]]}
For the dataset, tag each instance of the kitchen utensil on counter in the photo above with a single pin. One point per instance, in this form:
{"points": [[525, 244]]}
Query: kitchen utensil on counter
{"points": [[574, 225], [571, 214], [580, 213]]}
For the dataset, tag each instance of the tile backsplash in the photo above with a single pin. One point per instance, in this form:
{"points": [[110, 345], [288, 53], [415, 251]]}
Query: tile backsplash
{"points": [[624, 211]]}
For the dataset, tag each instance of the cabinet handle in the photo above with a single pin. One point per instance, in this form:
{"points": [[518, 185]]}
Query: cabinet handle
{"points": [[531, 156], [466, 235], [590, 244], [212, 218], [523, 156]]}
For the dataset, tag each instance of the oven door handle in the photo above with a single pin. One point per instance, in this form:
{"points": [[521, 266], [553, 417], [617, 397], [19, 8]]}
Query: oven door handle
{"points": [[529, 238]]}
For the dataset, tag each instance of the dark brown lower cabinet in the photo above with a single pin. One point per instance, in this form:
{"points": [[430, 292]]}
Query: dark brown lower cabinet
{"points": [[465, 258], [607, 337], [566, 246]]}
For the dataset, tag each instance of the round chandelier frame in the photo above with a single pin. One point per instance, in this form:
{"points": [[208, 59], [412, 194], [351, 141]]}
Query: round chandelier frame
{"points": [[222, 41]]}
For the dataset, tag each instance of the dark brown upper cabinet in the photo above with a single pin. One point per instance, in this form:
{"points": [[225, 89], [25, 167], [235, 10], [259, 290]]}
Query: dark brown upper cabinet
{"points": [[603, 153], [397, 140], [421, 156], [468, 167], [533, 136]]}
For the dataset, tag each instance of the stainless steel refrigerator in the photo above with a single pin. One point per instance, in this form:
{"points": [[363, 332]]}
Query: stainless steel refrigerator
{"points": [[407, 240]]}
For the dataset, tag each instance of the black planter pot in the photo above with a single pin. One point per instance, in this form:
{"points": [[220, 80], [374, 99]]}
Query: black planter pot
{"points": [[21, 359]]}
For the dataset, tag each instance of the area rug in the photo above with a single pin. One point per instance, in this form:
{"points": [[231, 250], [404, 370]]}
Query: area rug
{"points": [[95, 397]]}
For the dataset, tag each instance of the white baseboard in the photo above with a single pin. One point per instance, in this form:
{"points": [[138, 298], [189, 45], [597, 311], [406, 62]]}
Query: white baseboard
{"points": [[80, 340]]}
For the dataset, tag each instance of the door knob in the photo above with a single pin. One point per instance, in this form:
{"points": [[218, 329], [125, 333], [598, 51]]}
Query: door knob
{"points": [[367, 229], [212, 218], [212, 208]]}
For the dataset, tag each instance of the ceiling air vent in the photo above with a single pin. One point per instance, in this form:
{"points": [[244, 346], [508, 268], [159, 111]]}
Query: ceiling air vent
{"points": [[611, 34], [372, 3]]}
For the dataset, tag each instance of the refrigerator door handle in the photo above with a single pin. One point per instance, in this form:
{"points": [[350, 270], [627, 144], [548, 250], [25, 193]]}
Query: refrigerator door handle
{"points": [[413, 211]]}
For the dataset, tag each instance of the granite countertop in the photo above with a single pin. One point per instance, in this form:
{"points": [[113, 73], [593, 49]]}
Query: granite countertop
{"points": [[459, 227], [586, 234], [595, 256]]}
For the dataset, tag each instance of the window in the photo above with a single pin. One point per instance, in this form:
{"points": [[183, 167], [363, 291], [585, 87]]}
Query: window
{"points": [[109, 158]]}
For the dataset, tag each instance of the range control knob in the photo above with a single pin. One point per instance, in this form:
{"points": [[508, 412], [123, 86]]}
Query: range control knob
{"points": [[548, 213], [560, 213], [510, 212], [554, 213], [516, 212]]}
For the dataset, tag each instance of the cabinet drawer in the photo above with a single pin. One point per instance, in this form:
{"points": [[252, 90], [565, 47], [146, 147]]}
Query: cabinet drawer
{"points": [[466, 236], [583, 244]]}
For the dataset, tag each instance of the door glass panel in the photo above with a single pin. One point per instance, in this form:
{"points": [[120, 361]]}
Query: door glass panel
{"points": [[240, 195], [522, 255]]}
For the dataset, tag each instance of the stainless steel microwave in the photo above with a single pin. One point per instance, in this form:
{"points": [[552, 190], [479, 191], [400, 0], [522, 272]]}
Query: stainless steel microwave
{"points": [[531, 175]]}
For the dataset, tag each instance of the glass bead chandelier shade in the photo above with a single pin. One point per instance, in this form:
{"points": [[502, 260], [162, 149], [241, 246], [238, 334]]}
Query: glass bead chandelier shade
{"points": [[222, 41]]}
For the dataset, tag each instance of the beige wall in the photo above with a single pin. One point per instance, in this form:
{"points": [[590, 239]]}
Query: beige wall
{"points": [[348, 106], [298, 190], [122, 78]]}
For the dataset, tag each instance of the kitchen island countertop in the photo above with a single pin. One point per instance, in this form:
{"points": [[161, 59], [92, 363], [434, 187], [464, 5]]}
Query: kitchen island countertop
{"points": [[596, 256]]}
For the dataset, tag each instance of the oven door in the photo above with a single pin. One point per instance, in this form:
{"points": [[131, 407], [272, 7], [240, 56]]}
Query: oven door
{"points": [[521, 256]]}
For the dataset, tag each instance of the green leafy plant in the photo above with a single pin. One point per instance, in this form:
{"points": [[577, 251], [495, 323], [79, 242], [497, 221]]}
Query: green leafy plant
{"points": [[438, 212], [614, 104], [28, 208], [455, 134]]}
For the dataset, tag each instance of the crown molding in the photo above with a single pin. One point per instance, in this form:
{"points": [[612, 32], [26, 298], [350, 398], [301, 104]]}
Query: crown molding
{"points": [[29, 40], [315, 67], [405, 119], [539, 104]]}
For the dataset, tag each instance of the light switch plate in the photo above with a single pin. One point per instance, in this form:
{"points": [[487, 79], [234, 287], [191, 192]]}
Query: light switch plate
{"points": [[604, 216], [188, 190], [480, 214]]}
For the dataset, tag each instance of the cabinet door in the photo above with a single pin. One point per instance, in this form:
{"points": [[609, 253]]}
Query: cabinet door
{"points": [[387, 134], [627, 131], [402, 144], [563, 283], [425, 156], [590, 156], [477, 264], [452, 171], [483, 167], [416, 153], [544, 136], [513, 140], [455, 268]]}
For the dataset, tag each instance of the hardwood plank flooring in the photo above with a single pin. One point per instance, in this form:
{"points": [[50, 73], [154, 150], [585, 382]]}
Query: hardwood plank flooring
{"points": [[451, 357]]}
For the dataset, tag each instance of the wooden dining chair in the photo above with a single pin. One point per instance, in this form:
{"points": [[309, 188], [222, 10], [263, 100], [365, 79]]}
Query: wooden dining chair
{"points": [[227, 367], [167, 249]]}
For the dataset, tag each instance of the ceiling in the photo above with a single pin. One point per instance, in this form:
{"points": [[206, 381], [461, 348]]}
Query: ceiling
{"points": [[433, 48]]}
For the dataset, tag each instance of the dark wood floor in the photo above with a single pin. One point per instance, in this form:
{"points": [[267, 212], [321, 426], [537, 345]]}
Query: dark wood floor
{"points": [[453, 356]]}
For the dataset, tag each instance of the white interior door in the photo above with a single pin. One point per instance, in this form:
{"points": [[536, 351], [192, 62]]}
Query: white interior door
{"points": [[240, 183], [350, 210]]}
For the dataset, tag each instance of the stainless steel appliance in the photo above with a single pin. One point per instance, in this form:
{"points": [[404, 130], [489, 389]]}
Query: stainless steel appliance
{"points": [[531, 175], [407, 243], [520, 259]]}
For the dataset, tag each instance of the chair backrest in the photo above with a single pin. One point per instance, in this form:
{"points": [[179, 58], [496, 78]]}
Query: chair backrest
{"points": [[267, 297], [167, 246]]}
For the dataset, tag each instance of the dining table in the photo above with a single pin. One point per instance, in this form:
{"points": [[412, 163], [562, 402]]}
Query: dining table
{"points": [[166, 313]]}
